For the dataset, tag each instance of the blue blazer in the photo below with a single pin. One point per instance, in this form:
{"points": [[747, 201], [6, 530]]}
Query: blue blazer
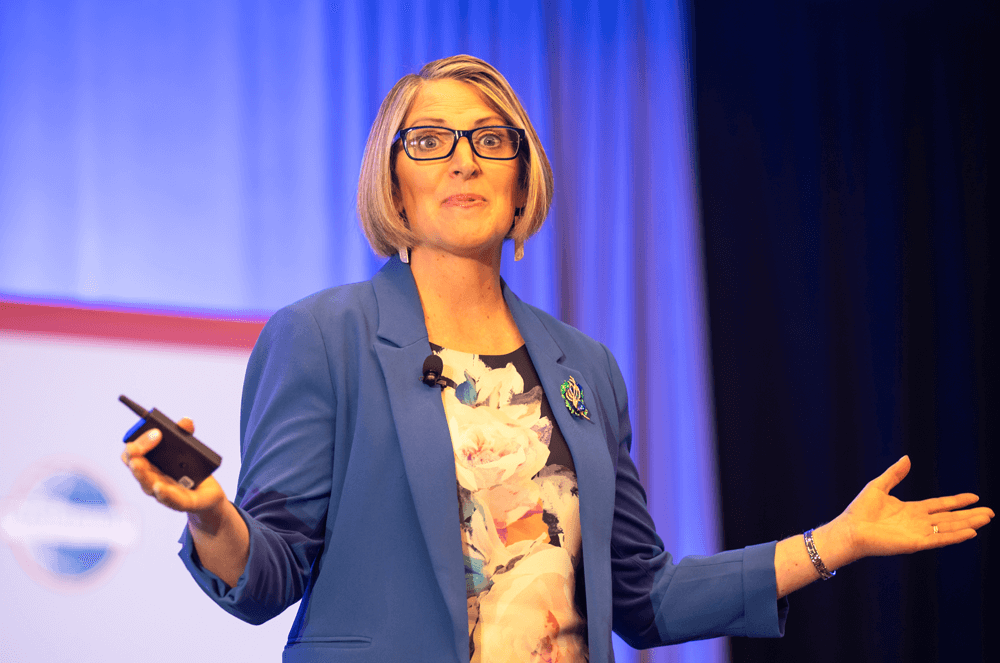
{"points": [[348, 488]]}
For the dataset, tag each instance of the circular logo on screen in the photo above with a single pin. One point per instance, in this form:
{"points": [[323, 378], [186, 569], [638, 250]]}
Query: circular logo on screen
{"points": [[64, 525]]}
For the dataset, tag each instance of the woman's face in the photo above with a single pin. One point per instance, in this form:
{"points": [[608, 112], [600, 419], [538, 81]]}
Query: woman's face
{"points": [[462, 205]]}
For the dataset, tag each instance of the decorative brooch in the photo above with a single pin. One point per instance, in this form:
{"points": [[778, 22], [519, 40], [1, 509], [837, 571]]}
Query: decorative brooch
{"points": [[572, 395]]}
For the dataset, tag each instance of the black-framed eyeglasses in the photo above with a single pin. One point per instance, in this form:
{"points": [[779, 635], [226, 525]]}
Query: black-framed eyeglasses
{"points": [[429, 143]]}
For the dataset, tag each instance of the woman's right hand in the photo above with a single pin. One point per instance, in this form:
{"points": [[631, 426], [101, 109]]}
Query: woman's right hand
{"points": [[219, 533], [206, 497]]}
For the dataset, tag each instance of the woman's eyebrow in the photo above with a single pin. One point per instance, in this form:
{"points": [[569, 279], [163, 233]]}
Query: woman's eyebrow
{"points": [[492, 119], [437, 121]]}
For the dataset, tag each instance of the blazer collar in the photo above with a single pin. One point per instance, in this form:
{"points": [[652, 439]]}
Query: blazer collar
{"points": [[401, 317]]}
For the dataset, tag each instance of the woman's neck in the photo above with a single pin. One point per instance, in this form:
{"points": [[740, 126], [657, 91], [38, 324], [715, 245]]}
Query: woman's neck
{"points": [[463, 303]]}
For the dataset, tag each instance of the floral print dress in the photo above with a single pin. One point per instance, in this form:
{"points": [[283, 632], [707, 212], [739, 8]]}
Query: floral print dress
{"points": [[519, 509]]}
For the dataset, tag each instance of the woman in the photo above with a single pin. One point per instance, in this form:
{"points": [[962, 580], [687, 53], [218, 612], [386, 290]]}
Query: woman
{"points": [[347, 492]]}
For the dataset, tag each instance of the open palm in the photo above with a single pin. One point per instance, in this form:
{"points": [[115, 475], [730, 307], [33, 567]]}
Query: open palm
{"points": [[882, 525]]}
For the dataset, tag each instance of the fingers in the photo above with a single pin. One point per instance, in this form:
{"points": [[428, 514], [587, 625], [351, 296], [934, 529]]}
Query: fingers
{"points": [[959, 520], [134, 457], [172, 495], [186, 424], [206, 496], [943, 539], [955, 527], [144, 473], [948, 502], [892, 476]]}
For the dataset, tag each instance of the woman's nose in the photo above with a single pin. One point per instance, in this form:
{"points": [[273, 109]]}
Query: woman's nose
{"points": [[463, 160]]}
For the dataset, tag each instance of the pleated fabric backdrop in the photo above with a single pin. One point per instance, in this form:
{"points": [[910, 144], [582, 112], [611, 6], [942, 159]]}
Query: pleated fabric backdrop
{"points": [[204, 156]]}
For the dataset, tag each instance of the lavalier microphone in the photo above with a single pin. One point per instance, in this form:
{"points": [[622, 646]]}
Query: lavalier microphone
{"points": [[433, 367]]}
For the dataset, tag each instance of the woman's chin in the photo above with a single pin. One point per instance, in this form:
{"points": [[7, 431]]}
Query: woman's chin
{"points": [[481, 249]]}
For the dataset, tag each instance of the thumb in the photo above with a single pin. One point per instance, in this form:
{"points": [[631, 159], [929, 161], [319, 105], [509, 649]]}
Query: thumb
{"points": [[892, 476]]}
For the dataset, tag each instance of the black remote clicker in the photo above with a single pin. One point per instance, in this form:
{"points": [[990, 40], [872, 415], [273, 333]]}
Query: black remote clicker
{"points": [[179, 454]]}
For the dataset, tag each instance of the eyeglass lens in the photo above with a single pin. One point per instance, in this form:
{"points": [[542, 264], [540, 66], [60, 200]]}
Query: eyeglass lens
{"points": [[438, 142]]}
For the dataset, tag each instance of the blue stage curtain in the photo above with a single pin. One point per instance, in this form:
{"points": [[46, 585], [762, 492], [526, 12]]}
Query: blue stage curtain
{"points": [[204, 156]]}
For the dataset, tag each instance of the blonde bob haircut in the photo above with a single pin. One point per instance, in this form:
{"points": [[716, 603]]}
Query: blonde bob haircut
{"points": [[378, 188]]}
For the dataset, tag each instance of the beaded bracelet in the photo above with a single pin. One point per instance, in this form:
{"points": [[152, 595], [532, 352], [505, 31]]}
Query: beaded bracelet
{"points": [[817, 561]]}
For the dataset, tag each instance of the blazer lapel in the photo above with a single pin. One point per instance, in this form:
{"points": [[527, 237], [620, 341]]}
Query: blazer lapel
{"points": [[424, 440], [588, 444]]}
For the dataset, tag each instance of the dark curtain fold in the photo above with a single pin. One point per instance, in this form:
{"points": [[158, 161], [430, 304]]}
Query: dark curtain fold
{"points": [[843, 158]]}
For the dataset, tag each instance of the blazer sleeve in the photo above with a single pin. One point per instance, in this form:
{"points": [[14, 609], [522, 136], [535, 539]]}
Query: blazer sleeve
{"points": [[287, 428], [657, 601]]}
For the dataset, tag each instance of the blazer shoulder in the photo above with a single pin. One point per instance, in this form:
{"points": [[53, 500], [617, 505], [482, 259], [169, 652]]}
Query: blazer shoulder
{"points": [[338, 300], [336, 320], [339, 309]]}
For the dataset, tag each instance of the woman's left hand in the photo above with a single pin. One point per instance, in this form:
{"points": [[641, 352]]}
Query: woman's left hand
{"points": [[879, 524]]}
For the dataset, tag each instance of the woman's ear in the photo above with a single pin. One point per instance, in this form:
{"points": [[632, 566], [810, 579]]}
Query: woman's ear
{"points": [[397, 204]]}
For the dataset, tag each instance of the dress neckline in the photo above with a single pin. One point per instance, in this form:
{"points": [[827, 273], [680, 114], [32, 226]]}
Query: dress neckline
{"points": [[522, 348]]}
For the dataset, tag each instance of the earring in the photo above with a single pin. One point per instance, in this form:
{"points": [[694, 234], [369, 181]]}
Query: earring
{"points": [[518, 243], [404, 252]]}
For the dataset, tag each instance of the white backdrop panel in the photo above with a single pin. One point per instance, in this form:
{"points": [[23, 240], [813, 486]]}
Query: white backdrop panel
{"points": [[59, 409]]}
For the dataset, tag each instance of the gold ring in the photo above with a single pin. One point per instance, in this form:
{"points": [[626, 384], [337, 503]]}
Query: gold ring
{"points": [[935, 529]]}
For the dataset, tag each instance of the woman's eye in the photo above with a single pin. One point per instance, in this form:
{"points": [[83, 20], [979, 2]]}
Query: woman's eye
{"points": [[428, 142], [490, 140]]}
